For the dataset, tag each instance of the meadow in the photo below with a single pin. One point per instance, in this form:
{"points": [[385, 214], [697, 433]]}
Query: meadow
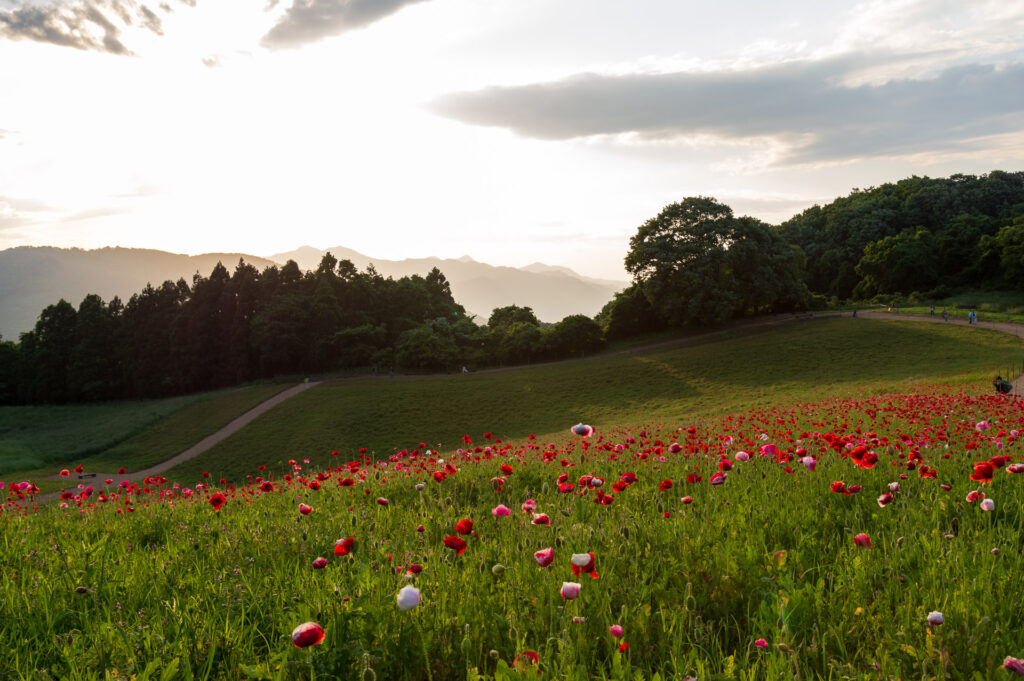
{"points": [[835, 507], [38, 441]]}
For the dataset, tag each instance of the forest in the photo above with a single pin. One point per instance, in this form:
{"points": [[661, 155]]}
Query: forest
{"points": [[694, 265]]}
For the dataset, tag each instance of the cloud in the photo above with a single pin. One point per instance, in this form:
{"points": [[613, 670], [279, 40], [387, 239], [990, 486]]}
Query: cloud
{"points": [[804, 104], [308, 21], [95, 25]]}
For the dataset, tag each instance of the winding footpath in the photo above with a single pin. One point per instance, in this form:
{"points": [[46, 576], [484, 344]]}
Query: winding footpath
{"points": [[245, 419]]}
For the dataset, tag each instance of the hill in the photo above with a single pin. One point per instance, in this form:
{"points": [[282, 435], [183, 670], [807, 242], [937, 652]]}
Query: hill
{"points": [[753, 367], [33, 277]]}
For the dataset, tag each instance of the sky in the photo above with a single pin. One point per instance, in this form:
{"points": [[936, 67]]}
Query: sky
{"points": [[513, 131]]}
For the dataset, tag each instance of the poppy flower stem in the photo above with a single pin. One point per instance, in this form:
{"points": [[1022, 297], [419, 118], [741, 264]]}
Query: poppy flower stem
{"points": [[423, 646]]}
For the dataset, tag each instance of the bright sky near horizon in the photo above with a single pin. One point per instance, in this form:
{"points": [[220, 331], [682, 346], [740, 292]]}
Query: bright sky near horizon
{"points": [[510, 130]]}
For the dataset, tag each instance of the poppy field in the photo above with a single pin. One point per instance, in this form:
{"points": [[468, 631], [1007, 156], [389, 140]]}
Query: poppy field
{"points": [[866, 538]]}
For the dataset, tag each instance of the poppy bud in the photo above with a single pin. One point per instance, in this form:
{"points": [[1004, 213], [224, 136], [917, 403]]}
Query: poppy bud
{"points": [[935, 618]]}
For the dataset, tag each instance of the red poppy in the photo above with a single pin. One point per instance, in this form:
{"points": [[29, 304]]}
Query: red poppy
{"points": [[343, 547], [456, 544], [439, 476], [78, 468], [528, 658], [464, 526], [218, 500], [308, 634], [983, 471], [665, 485], [588, 568], [506, 469], [623, 647], [305, 509], [120, 471], [862, 539], [346, 482]]}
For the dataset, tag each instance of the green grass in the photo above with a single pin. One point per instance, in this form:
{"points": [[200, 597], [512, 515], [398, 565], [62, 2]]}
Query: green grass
{"points": [[734, 370], [110, 435], [177, 590]]}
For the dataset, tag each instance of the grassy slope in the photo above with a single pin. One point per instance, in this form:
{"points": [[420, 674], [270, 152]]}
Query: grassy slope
{"points": [[727, 372], [129, 434]]}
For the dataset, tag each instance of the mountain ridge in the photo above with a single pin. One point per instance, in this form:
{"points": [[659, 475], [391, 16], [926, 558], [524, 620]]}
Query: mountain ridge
{"points": [[33, 277]]}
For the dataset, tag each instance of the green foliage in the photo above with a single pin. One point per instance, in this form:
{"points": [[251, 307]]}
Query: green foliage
{"points": [[943, 230], [698, 264]]}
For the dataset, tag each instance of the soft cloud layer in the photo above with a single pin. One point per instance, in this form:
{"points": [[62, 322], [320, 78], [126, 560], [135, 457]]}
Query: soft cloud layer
{"points": [[307, 21], [801, 103], [95, 25]]}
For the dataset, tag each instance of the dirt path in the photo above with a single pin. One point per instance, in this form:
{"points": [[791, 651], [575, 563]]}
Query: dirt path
{"points": [[99, 479]]}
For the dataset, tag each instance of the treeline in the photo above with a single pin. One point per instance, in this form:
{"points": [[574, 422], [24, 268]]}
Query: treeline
{"points": [[693, 265], [233, 327], [696, 263], [930, 236]]}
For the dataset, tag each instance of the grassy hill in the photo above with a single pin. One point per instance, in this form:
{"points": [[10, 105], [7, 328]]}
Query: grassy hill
{"points": [[36, 440], [729, 371]]}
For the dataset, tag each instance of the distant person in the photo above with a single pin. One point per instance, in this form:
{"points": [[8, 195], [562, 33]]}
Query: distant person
{"points": [[465, 370], [1002, 385], [854, 312], [932, 312], [945, 316]]}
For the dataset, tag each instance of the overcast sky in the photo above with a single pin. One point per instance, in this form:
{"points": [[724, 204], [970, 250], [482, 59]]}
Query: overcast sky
{"points": [[510, 130]]}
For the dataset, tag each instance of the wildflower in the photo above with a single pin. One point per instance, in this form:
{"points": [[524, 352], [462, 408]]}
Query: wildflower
{"points": [[408, 597], [983, 471], [506, 469], [862, 539], [687, 500], [343, 547], [319, 563], [584, 562], [570, 590], [307, 634], [541, 519], [544, 556], [718, 478], [579, 620], [616, 630], [1012, 664], [529, 506], [623, 647], [500, 511], [304, 509], [809, 462], [218, 500], [1015, 468], [527, 657], [884, 500], [742, 456], [665, 485], [456, 544], [382, 501], [935, 618], [988, 505], [761, 643], [584, 430], [464, 526]]}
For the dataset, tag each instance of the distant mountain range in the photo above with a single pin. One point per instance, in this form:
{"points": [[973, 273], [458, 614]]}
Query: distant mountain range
{"points": [[33, 277]]}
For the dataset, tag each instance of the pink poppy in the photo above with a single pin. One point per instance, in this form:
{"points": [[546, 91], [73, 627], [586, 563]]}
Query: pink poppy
{"points": [[544, 557]]}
